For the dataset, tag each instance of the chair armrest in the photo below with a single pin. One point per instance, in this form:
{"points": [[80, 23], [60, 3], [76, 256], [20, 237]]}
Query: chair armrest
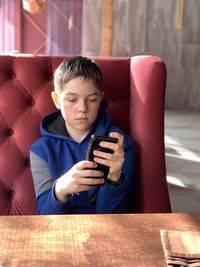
{"points": [[148, 85]]}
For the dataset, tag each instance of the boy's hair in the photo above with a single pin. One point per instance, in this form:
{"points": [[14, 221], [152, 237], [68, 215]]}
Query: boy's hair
{"points": [[77, 67]]}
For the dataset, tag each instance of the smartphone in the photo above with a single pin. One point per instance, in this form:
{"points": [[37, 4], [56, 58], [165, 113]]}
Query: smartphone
{"points": [[95, 145]]}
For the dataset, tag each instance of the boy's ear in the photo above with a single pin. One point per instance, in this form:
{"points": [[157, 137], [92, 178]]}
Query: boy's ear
{"points": [[55, 98]]}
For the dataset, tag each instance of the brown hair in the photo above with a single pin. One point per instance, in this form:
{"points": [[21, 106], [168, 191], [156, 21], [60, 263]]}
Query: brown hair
{"points": [[77, 67]]}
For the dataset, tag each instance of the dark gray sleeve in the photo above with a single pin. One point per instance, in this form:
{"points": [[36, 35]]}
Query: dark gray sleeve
{"points": [[41, 174]]}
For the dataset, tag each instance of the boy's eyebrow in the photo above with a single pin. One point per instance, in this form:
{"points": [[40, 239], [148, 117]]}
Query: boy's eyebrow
{"points": [[70, 93]]}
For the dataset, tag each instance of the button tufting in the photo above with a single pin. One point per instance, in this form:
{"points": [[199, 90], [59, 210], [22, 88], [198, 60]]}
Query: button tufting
{"points": [[10, 193], [27, 162], [31, 102], [11, 74], [9, 132]]}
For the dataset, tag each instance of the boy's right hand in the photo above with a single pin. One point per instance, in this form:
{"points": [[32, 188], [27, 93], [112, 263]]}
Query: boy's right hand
{"points": [[77, 179]]}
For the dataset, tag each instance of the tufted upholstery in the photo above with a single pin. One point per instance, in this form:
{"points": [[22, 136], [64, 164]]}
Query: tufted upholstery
{"points": [[135, 90]]}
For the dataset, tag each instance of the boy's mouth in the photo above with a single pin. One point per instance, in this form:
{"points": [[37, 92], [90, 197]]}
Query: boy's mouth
{"points": [[81, 119]]}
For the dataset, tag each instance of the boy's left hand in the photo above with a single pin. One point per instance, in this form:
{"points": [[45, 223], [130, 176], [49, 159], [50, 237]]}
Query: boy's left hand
{"points": [[115, 160]]}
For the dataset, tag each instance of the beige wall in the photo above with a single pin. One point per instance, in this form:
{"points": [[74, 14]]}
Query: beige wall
{"points": [[150, 27]]}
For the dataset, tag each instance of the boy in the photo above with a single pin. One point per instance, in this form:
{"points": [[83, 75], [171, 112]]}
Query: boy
{"points": [[66, 183]]}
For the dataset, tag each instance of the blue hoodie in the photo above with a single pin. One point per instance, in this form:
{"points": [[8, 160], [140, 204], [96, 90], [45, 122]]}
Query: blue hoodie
{"points": [[55, 153]]}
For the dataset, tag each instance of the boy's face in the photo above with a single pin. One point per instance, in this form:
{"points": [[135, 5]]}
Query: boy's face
{"points": [[79, 103]]}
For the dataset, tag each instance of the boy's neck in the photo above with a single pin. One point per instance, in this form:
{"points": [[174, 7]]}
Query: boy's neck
{"points": [[77, 136]]}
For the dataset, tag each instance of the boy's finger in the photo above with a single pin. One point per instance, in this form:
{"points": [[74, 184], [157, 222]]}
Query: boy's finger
{"points": [[85, 164], [119, 136], [104, 155], [91, 181], [92, 173], [103, 161]]}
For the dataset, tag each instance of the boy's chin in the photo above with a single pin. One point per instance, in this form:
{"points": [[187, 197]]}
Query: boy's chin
{"points": [[83, 128], [83, 125]]}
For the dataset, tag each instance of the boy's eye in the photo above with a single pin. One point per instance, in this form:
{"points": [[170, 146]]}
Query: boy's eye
{"points": [[71, 100], [93, 99]]}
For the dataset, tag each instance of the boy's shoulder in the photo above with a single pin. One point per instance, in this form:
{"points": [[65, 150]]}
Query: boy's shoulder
{"points": [[42, 141], [44, 146]]}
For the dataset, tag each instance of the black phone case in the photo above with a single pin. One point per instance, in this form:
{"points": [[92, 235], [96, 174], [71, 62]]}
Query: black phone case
{"points": [[95, 145]]}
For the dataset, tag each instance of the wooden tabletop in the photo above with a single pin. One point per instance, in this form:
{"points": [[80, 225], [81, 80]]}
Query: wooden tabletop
{"points": [[88, 240]]}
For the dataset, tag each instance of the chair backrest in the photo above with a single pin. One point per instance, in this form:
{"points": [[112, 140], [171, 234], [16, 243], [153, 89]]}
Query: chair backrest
{"points": [[135, 89]]}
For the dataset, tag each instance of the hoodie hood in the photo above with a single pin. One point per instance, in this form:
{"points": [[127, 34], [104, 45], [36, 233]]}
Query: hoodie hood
{"points": [[53, 125]]}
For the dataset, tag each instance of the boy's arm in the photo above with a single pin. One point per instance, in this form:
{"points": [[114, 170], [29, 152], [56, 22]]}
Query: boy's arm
{"points": [[44, 188], [115, 199]]}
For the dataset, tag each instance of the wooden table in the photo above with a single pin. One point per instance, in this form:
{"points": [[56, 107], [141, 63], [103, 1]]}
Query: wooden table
{"points": [[88, 240]]}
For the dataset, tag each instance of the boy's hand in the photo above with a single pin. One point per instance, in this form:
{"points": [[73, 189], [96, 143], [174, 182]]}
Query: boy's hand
{"points": [[76, 180], [115, 160]]}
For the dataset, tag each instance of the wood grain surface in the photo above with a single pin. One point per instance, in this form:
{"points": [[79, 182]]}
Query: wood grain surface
{"points": [[88, 240]]}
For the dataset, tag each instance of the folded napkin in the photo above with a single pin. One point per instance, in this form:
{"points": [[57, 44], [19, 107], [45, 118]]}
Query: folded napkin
{"points": [[181, 248]]}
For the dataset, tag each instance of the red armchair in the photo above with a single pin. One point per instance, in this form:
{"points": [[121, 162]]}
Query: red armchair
{"points": [[135, 90]]}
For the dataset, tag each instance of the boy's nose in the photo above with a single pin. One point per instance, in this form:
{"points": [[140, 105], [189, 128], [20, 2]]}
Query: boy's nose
{"points": [[82, 106]]}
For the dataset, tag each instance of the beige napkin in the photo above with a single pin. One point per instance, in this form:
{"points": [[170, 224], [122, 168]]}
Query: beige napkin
{"points": [[181, 248]]}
